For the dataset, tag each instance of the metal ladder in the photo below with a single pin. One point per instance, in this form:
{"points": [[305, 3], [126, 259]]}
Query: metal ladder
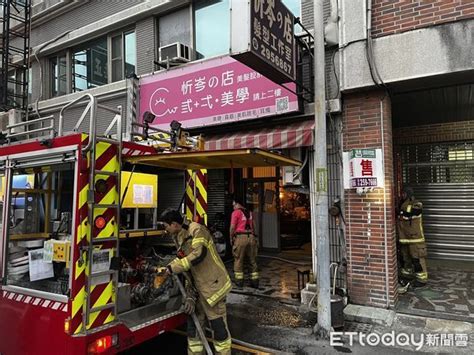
{"points": [[15, 21], [93, 206]]}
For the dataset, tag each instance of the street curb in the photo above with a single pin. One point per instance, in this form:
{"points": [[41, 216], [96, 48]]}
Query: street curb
{"points": [[369, 315], [390, 318], [434, 325]]}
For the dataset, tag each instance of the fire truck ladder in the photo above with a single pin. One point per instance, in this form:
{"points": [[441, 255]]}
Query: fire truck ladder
{"points": [[14, 53], [91, 148]]}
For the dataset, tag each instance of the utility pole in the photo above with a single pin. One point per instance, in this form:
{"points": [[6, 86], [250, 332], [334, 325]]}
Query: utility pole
{"points": [[320, 173]]}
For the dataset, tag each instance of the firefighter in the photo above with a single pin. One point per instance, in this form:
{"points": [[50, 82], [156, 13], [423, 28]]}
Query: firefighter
{"points": [[198, 256], [412, 239], [244, 244]]}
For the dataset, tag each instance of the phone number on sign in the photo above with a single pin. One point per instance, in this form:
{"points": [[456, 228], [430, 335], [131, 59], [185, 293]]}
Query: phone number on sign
{"points": [[273, 57], [364, 182]]}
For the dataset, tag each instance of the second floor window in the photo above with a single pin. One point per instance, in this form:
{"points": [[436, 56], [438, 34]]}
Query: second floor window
{"points": [[102, 61], [59, 75], [212, 28], [89, 66], [124, 57]]}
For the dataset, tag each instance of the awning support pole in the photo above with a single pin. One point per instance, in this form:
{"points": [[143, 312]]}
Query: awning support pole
{"points": [[323, 328]]}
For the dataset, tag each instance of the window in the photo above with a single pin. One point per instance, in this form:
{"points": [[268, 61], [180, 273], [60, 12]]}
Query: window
{"points": [[58, 75], [175, 27], [89, 66], [15, 87], [209, 16], [124, 57], [39, 212], [102, 61]]}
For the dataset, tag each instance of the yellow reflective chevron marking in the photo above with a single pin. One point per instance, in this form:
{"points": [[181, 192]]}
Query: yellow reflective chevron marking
{"points": [[112, 165], [77, 301], [200, 186], [80, 269], [83, 196], [100, 149], [196, 195], [83, 230], [101, 301]]}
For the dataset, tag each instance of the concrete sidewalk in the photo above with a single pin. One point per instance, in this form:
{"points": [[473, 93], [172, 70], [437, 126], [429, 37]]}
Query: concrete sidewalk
{"points": [[440, 335], [288, 328]]}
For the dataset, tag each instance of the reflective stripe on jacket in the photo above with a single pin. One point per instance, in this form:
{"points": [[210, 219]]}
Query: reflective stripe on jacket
{"points": [[209, 273]]}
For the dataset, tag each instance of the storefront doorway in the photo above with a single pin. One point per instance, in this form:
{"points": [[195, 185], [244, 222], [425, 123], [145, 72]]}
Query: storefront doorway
{"points": [[434, 155], [261, 198]]}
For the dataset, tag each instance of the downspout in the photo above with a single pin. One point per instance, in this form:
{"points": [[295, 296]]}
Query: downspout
{"points": [[385, 237], [369, 19]]}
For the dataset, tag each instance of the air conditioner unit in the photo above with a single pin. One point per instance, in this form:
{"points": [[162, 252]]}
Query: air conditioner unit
{"points": [[3, 121], [176, 52], [15, 116]]}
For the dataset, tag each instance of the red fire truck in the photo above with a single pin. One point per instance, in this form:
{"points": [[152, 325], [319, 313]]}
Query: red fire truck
{"points": [[77, 260]]}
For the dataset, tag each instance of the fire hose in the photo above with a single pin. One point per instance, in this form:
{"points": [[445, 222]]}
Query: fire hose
{"points": [[199, 329]]}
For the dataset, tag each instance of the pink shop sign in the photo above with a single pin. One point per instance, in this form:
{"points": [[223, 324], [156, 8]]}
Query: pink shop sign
{"points": [[213, 92]]}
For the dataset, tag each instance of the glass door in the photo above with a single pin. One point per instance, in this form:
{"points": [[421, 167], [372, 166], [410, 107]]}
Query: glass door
{"points": [[261, 198]]}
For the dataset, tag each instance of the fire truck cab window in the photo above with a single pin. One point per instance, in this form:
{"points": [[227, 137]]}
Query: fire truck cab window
{"points": [[39, 228]]}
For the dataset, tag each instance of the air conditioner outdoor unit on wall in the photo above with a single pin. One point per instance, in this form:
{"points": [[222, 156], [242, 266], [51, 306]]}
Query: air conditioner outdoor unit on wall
{"points": [[9, 118], [176, 52]]}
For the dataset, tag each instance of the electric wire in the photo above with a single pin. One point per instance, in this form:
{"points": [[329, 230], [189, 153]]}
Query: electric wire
{"points": [[35, 54]]}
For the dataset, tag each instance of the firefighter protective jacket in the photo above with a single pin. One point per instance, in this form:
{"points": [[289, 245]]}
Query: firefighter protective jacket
{"points": [[200, 257], [410, 222]]}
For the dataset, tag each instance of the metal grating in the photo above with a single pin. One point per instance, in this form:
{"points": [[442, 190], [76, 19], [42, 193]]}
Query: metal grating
{"points": [[336, 228], [438, 163], [442, 176]]}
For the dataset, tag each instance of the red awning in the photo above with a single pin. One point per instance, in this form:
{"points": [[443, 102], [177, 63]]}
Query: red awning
{"points": [[294, 135]]}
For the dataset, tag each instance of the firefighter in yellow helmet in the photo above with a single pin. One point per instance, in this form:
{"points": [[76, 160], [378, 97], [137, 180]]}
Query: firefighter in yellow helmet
{"points": [[197, 255], [412, 239]]}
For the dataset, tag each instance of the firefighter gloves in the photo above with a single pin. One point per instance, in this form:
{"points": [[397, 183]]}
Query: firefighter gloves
{"points": [[189, 305]]}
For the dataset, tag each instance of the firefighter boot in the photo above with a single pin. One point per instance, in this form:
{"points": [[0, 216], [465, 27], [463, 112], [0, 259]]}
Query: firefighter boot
{"points": [[403, 288], [421, 273]]}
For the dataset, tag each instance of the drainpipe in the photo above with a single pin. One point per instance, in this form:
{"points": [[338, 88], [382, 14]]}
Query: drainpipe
{"points": [[385, 237], [320, 188]]}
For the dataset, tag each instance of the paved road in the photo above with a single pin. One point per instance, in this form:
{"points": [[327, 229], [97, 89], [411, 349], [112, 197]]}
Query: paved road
{"points": [[168, 343]]}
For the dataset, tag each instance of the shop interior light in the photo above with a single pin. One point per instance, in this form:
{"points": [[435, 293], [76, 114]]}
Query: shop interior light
{"points": [[100, 222], [102, 344]]}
